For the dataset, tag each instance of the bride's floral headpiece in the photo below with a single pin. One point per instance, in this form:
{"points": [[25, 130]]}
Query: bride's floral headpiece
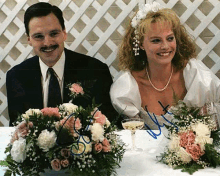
{"points": [[141, 14]]}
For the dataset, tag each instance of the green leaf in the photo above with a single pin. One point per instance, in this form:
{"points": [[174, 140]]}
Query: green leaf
{"points": [[190, 168], [3, 163]]}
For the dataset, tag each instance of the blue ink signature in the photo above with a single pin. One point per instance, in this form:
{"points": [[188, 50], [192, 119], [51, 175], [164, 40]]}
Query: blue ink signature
{"points": [[75, 145], [154, 119]]}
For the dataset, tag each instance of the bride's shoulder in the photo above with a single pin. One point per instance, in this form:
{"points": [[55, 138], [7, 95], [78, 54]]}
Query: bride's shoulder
{"points": [[125, 86], [124, 94], [124, 80]]}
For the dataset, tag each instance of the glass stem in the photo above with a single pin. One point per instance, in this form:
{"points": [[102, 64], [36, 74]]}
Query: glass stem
{"points": [[133, 139]]}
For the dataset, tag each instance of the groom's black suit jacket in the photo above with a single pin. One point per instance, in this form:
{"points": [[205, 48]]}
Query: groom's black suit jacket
{"points": [[24, 89]]}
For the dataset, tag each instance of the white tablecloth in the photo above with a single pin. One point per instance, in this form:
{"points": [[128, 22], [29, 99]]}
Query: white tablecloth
{"points": [[133, 164]]}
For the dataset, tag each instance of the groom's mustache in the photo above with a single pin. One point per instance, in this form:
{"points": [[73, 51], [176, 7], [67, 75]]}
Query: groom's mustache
{"points": [[50, 48]]}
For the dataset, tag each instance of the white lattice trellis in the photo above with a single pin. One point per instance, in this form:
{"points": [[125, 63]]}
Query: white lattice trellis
{"points": [[95, 28]]}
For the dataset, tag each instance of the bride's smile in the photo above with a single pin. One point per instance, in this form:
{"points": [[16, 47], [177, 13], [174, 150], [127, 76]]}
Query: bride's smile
{"points": [[159, 43]]}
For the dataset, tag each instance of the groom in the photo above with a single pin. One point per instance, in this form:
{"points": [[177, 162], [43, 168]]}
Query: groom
{"points": [[28, 83]]}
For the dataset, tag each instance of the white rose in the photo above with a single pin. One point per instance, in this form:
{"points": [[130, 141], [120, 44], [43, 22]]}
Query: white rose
{"points": [[18, 150], [201, 129], [185, 157], [69, 107], [97, 132], [25, 116], [202, 140], [174, 143], [31, 112], [46, 140]]}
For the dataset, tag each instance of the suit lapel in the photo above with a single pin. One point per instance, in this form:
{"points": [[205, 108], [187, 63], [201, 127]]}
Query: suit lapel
{"points": [[37, 85]]}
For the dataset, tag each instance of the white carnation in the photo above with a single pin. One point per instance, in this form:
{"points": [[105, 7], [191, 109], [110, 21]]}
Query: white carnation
{"points": [[185, 157], [202, 140], [69, 108], [174, 143], [97, 132], [18, 151], [201, 129], [46, 140]]}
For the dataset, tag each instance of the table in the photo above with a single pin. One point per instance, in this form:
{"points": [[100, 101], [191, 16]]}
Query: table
{"points": [[133, 164]]}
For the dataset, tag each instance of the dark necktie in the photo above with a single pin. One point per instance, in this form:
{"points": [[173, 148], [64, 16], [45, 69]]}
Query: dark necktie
{"points": [[54, 94]]}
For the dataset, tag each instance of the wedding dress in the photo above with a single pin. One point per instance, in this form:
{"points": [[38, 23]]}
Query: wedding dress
{"points": [[202, 85]]}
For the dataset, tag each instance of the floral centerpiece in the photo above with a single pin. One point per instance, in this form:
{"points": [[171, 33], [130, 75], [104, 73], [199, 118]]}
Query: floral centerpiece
{"points": [[194, 139], [79, 141]]}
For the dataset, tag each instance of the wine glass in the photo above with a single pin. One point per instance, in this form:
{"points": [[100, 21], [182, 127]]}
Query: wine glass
{"points": [[133, 124]]}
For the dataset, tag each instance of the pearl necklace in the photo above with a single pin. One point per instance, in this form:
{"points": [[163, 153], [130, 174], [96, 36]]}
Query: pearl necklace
{"points": [[160, 90]]}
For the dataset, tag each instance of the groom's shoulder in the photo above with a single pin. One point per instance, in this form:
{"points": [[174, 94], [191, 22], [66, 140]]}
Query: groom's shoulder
{"points": [[83, 60], [27, 64]]}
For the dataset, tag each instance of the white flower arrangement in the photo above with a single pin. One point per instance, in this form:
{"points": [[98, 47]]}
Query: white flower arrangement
{"points": [[194, 140], [70, 138]]}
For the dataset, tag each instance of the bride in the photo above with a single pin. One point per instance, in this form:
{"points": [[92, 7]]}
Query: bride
{"points": [[157, 57]]}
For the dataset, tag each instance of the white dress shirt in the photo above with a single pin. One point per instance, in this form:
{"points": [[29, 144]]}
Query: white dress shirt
{"points": [[45, 76]]}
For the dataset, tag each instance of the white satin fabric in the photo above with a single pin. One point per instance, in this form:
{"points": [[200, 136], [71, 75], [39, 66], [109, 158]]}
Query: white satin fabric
{"points": [[202, 86]]}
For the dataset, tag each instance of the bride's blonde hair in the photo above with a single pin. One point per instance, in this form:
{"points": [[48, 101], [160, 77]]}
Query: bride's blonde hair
{"points": [[185, 46]]}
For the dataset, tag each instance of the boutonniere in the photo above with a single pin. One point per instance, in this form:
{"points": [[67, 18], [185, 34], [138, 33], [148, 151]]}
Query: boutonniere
{"points": [[76, 90]]}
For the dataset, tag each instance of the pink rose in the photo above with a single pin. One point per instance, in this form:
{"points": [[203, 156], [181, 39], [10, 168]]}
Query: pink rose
{"points": [[195, 151], [72, 125], [23, 128], [106, 145], [105, 142], [187, 139], [30, 124], [51, 112], [65, 162], [78, 124], [77, 89], [100, 118], [65, 153], [55, 164], [98, 147], [106, 148]]}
